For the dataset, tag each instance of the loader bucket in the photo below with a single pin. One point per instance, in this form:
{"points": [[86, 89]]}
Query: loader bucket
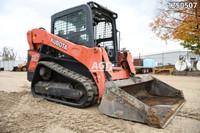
{"points": [[146, 100]]}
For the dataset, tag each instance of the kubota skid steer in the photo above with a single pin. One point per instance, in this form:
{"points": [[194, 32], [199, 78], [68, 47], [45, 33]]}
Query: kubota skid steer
{"points": [[79, 63]]}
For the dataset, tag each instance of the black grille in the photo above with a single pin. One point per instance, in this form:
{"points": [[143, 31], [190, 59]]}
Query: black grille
{"points": [[68, 26], [103, 30], [103, 34]]}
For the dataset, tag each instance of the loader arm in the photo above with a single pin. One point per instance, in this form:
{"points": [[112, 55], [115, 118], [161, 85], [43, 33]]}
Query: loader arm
{"points": [[90, 57]]}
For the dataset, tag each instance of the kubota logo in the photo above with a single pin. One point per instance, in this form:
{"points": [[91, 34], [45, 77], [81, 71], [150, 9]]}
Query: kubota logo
{"points": [[101, 66], [59, 44]]}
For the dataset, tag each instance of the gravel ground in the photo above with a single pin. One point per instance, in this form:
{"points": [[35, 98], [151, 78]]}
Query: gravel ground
{"points": [[21, 112]]}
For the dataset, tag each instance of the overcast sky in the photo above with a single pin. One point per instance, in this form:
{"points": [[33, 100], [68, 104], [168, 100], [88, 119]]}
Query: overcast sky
{"points": [[134, 16]]}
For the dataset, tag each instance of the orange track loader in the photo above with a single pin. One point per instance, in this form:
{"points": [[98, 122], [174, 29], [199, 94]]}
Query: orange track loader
{"points": [[79, 63], [20, 67]]}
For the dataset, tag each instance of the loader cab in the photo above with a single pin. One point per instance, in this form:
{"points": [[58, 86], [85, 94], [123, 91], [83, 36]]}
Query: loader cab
{"points": [[91, 25]]}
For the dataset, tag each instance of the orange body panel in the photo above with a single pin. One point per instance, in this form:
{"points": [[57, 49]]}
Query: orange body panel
{"points": [[90, 57], [34, 60]]}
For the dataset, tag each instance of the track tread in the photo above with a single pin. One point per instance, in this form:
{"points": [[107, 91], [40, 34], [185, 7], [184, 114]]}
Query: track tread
{"points": [[91, 88]]}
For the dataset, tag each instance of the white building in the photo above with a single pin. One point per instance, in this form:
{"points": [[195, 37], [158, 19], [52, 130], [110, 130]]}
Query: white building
{"points": [[167, 58], [8, 65]]}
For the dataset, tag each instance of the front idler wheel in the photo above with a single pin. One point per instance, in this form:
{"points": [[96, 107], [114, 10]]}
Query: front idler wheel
{"points": [[45, 73]]}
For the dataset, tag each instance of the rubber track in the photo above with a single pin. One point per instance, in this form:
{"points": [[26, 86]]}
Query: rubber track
{"points": [[90, 86]]}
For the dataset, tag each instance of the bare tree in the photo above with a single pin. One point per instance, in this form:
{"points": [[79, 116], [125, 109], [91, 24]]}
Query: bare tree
{"points": [[8, 54]]}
